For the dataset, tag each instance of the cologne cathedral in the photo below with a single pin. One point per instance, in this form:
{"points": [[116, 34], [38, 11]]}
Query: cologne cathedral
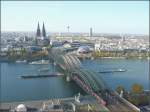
{"points": [[41, 37]]}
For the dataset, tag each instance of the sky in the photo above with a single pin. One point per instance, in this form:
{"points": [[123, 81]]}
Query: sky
{"points": [[104, 17]]}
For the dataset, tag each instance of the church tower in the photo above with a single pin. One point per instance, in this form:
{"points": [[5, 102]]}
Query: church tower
{"points": [[41, 38], [43, 31], [38, 33]]}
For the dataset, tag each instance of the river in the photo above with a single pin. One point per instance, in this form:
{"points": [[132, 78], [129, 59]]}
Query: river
{"points": [[14, 88]]}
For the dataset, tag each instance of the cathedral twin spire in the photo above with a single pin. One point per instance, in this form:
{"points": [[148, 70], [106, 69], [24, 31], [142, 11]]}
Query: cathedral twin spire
{"points": [[38, 33]]}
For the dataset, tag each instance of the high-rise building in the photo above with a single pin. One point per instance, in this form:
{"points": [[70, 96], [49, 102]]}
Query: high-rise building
{"points": [[91, 32]]}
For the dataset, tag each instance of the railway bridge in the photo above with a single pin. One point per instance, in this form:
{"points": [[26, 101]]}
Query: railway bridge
{"points": [[88, 80]]}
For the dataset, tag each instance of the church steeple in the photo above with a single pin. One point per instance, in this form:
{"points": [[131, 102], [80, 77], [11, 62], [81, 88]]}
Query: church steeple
{"points": [[38, 33], [43, 31]]}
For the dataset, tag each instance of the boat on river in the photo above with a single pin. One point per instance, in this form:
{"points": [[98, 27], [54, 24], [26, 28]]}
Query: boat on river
{"points": [[43, 70], [40, 62], [113, 70], [41, 76], [21, 61]]}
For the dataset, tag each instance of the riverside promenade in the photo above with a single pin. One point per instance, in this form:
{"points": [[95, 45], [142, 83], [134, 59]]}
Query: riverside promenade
{"points": [[37, 104], [82, 104]]}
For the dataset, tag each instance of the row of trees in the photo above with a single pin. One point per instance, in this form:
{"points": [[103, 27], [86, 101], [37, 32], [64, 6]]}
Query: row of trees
{"points": [[135, 88], [136, 95], [119, 54], [14, 54], [22, 53]]}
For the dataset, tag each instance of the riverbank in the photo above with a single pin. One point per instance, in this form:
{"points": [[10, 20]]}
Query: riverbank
{"points": [[28, 57], [120, 54], [32, 104], [146, 58], [56, 105]]}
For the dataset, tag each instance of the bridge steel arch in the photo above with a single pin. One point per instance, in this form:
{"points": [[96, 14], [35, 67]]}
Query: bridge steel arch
{"points": [[86, 79]]}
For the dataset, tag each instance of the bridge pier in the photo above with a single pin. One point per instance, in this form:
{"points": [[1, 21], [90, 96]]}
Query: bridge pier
{"points": [[54, 66], [68, 79]]}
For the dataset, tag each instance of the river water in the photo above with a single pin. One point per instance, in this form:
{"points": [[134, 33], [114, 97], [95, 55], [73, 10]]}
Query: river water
{"points": [[14, 88]]}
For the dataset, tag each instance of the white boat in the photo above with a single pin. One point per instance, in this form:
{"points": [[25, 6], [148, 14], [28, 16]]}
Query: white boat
{"points": [[40, 62], [43, 70], [21, 61]]}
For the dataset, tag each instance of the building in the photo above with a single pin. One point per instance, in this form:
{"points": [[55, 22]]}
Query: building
{"points": [[55, 43], [83, 50], [91, 32], [41, 38]]}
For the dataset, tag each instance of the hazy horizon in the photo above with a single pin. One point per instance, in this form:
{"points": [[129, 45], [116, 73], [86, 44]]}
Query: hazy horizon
{"points": [[127, 17]]}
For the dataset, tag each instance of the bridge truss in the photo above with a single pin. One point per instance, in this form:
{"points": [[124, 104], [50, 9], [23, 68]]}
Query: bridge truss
{"points": [[86, 79]]}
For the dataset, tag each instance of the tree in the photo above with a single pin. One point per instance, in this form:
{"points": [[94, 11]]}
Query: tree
{"points": [[119, 89], [136, 88]]}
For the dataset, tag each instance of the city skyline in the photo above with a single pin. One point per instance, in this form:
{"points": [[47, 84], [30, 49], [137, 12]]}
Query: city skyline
{"points": [[102, 17]]}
